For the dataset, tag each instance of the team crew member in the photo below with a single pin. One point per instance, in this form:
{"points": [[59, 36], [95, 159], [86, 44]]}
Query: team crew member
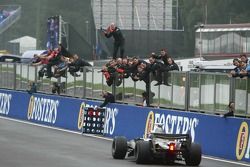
{"points": [[54, 59], [108, 98], [119, 40], [231, 107]]}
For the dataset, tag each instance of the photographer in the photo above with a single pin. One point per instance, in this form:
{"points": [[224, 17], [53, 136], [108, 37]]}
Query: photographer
{"points": [[32, 88], [231, 108], [108, 98], [56, 88]]}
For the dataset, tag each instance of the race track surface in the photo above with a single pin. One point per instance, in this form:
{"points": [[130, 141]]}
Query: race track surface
{"points": [[25, 145]]}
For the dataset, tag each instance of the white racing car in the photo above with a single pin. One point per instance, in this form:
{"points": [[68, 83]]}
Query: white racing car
{"points": [[158, 146]]}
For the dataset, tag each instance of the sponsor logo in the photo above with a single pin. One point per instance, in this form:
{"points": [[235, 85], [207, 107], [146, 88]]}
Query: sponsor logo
{"points": [[242, 140], [81, 116], [5, 103], [42, 109], [149, 124], [110, 120], [172, 124], [30, 108]]}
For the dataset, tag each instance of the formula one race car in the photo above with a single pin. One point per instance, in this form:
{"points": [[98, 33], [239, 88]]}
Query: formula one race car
{"points": [[158, 146]]}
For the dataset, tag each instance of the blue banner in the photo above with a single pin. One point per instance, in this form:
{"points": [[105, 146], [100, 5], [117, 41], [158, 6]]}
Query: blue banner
{"points": [[53, 32], [221, 137]]}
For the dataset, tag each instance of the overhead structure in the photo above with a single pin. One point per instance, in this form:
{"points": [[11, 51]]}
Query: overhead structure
{"points": [[221, 41], [57, 32], [137, 14]]}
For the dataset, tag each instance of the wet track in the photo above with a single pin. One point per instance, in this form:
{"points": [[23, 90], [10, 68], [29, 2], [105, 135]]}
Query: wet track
{"points": [[25, 145]]}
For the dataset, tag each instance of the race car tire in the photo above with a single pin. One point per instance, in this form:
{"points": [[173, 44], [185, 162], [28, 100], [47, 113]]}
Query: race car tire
{"points": [[119, 147], [143, 152], [193, 155]]}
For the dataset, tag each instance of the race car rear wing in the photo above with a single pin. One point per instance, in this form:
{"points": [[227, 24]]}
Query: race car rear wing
{"points": [[171, 136]]}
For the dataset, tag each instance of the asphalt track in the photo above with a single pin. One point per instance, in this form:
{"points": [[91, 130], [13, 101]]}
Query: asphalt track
{"points": [[26, 145]]}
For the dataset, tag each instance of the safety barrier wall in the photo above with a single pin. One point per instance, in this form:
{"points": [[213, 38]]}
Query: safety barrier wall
{"points": [[221, 137]]}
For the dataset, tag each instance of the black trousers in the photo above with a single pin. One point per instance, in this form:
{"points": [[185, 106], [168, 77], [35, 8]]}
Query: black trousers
{"points": [[73, 69], [42, 71], [148, 96], [117, 45], [162, 75], [49, 65]]}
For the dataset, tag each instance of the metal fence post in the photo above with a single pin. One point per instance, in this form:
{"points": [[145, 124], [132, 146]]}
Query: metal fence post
{"points": [[74, 86], [66, 85], [246, 98], [149, 94], [199, 92], [172, 91], [84, 82], [159, 96], [102, 83], [123, 89], [36, 73], [134, 91], [247, 114], [187, 91], [92, 84], [21, 72], [28, 73], [114, 86], [214, 93], [14, 77], [232, 89]]}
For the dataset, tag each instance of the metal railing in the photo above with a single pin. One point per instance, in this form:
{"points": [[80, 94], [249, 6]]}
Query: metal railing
{"points": [[189, 91]]}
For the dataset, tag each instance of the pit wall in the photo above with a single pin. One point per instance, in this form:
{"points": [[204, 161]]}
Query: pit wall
{"points": [[221, 137]]}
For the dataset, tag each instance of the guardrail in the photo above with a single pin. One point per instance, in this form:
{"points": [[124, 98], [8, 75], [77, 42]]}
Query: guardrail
{"points": [[189, 91]]}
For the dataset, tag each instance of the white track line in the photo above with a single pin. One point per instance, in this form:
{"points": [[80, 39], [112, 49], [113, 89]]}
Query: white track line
{"points": [[226, 161], [55, 128], [109, 139]]}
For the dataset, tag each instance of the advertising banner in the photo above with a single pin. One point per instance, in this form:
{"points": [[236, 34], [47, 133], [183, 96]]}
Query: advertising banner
{"points": [[13, 104]]}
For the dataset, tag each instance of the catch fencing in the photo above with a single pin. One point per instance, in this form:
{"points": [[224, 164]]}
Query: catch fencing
{"points": [[189, 91]]}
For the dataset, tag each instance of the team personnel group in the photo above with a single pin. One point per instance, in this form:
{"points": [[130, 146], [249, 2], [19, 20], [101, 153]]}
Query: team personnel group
{"points": [[61, 60], [155, 67]]}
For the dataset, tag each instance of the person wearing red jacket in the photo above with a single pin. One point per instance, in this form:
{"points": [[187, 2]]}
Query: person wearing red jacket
{"points": [[54, 59]]}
